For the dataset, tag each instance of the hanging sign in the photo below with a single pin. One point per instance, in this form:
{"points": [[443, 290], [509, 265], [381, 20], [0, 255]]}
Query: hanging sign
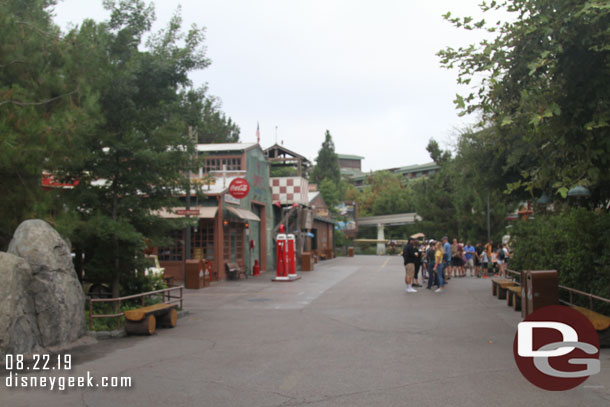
{"points": [[239, 188]]}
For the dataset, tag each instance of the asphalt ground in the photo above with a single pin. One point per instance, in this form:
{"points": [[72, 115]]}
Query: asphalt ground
{"points": [[346, 334]]}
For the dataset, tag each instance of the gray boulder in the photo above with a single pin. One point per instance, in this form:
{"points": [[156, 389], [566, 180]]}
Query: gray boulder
{"points": [[18, 323], [56, 292]]}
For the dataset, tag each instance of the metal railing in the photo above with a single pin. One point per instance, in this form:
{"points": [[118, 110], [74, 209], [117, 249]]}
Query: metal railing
{"points": [[166, 293], [591, 297]]}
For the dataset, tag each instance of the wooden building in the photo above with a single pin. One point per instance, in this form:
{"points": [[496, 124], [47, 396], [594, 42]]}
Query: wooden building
{"points": [[225, 229]]}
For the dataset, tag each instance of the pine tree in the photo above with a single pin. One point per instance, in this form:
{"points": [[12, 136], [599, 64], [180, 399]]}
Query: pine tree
{"points": [[327, 163], [41, 104]]}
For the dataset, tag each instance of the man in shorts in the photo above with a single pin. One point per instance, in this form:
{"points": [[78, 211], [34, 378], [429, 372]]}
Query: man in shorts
{"points": [[409, 254]]}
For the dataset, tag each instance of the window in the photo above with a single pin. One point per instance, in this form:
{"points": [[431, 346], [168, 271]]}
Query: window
{"points": [[174, 251], [216, 163], [203, 240]]}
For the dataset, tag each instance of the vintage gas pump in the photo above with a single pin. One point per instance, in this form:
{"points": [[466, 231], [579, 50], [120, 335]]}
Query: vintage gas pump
{"points": [[291, 257], [281, 256]]}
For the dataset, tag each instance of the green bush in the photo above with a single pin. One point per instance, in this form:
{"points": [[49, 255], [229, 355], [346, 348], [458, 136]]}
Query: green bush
{"points": [[110, 324], [576, 243], [137, 283]]}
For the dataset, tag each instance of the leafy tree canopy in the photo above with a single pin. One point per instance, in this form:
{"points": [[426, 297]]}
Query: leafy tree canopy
{"points": [[542, 86]]}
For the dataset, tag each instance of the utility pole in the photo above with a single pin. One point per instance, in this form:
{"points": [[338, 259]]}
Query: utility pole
{"points": [[488, 219], [187, 238]]}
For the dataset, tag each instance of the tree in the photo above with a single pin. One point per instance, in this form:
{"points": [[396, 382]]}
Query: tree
{"points": [[544, 92], [454, 201], [327, 162], [385, 194], [203, 113], [132, 161], [41, 105]]}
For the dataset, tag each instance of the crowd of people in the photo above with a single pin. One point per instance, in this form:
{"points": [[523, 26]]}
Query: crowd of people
{"points": [[433, 262]]}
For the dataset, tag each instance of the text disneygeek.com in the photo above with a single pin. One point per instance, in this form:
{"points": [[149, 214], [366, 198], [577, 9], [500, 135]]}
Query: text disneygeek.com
{"points": [[61, 383], [20, 371]]}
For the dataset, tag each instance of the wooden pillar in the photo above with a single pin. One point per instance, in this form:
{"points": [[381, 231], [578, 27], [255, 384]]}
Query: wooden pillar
{"points": [[219, 240]]}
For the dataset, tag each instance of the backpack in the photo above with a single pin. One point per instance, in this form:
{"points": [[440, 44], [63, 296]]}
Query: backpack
{"points": [[501, 255]]}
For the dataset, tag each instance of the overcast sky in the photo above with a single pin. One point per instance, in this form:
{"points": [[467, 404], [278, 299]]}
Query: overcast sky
{"points": [[366, 70]]}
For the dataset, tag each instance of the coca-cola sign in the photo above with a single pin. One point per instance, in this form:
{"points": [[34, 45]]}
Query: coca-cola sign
{"points": [[239, 188]]}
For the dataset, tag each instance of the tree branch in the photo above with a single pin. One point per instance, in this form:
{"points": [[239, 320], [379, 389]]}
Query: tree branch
{"points": [[43, 102], [17, 61]]}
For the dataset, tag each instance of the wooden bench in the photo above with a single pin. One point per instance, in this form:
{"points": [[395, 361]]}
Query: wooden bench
{"points": [[499, 286], [145, 320], [234, 271], [600, 322], [513, 297]]}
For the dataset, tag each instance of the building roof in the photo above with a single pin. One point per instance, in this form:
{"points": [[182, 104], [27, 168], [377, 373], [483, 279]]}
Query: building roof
{"points": [[313, 195], [349, 157], [283, 150], [417, 167], [225, 147]]}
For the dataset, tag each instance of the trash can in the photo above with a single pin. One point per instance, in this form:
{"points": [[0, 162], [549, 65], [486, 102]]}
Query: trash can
{"points": [[350, 252], [307, 261], [195, 274], [542, 289]]}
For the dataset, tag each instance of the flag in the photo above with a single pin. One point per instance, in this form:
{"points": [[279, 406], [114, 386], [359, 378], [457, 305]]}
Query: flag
{"points": [[258, 133]]}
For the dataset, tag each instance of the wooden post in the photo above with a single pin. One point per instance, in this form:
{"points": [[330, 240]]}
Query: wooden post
{"points": [[118, 311]]}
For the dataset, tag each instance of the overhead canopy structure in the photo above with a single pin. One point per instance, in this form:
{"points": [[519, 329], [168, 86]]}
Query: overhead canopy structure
{"points": [[388, 220], [281, 156], [243, 214]]}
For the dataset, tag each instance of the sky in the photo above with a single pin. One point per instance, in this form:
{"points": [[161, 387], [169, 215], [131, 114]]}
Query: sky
{"points": [[366, 70]]}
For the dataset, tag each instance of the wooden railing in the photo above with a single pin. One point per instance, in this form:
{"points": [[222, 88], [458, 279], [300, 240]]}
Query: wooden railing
{"points": [[166, 294], [591, 297]]}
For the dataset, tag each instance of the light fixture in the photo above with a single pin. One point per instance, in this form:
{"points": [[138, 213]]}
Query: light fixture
{"points": [[225, 222], [544, 199], [579, 190]]}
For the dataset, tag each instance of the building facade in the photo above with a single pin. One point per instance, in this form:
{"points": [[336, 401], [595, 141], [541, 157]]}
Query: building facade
{"points": [[225, 229]]}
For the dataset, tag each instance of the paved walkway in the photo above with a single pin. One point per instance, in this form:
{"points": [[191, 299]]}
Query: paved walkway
{"points": [[344, 335]]}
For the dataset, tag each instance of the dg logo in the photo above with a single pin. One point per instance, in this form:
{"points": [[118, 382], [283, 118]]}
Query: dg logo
{"points": [[556, 348]]}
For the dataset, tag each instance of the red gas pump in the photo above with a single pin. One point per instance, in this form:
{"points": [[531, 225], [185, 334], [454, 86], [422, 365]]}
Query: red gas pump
{"points": [[291, 255], [285, 257], [256, 270], [280, 256]]}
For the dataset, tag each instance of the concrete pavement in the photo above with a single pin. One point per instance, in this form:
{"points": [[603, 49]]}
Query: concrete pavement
{"points": [[345, 334]]}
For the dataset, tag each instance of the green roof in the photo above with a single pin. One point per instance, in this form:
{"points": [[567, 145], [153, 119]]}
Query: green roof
{"points": [[349, 157], [418, 167]]}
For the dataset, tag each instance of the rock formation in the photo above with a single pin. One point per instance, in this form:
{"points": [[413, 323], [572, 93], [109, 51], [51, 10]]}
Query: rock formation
{"points": [[45, 300]]}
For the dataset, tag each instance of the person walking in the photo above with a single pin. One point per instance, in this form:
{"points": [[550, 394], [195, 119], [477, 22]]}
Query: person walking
{"points": [[470, 253], [477, 259], [484, 263], [431, 261], [418, 263], [409, 254], [439, 262], [446, 257]]}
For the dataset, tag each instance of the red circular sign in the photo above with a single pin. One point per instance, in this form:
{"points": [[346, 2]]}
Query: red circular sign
{"points": [[556, 348], [239, 188]]}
